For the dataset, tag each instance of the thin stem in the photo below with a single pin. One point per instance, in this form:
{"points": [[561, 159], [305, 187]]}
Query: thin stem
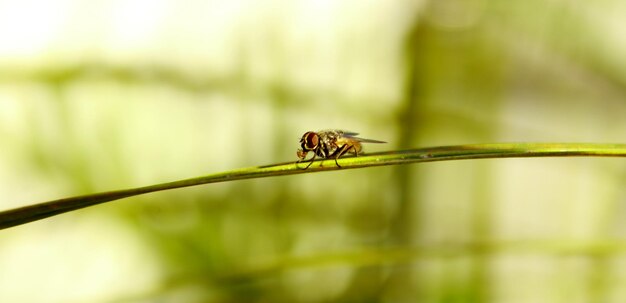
{"points": [[22, 215]]}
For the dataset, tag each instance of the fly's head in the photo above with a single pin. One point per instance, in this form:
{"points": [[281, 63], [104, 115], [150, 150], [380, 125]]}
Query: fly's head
{"points": [[309, 142]]}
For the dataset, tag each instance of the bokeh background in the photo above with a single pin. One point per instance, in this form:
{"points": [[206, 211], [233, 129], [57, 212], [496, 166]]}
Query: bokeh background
{"points": [[102, 95]]}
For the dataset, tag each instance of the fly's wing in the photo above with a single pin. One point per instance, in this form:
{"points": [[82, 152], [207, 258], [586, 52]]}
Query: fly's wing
{"points": [[352, 135], [368, 140], [348, 133]]}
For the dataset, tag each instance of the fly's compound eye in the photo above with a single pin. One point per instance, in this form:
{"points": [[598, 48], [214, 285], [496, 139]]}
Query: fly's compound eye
{"points": [[310, 141]]}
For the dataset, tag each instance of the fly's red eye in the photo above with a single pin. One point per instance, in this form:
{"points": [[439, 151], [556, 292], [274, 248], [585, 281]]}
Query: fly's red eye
{"points": [[311, 140]]}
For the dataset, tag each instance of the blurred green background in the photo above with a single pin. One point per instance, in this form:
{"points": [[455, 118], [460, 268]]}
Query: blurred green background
{"points": [[102, 95]]}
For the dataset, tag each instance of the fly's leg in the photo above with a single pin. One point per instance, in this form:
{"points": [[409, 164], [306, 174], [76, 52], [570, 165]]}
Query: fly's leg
{"points": [[356, 152], [340, 152], [310, 162]]}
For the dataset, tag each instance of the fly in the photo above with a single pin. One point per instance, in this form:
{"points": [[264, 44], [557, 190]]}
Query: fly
{"points": [[330, 144]]}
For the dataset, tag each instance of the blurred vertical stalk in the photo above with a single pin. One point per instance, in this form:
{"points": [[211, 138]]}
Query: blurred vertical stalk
{"points": [[404, 227], [410, 121], [468, 63]]}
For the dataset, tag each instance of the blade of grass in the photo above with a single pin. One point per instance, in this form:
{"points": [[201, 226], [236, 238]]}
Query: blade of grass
{"points": [[22, 215], [375, 256]]}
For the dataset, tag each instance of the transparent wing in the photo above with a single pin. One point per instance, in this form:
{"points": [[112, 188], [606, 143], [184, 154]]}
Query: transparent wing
{"points": [[348, 133], [367, 140], [352, 135]]}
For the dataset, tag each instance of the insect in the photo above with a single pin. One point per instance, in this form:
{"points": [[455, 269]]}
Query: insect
{"points": [[330, 144]]}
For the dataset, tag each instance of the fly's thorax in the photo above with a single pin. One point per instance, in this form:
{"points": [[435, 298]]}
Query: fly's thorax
{"points": [[329, 139], [326, 149]]}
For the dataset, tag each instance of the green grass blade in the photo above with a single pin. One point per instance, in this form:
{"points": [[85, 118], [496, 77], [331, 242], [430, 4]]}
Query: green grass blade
{"points": [[18, 216]]}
